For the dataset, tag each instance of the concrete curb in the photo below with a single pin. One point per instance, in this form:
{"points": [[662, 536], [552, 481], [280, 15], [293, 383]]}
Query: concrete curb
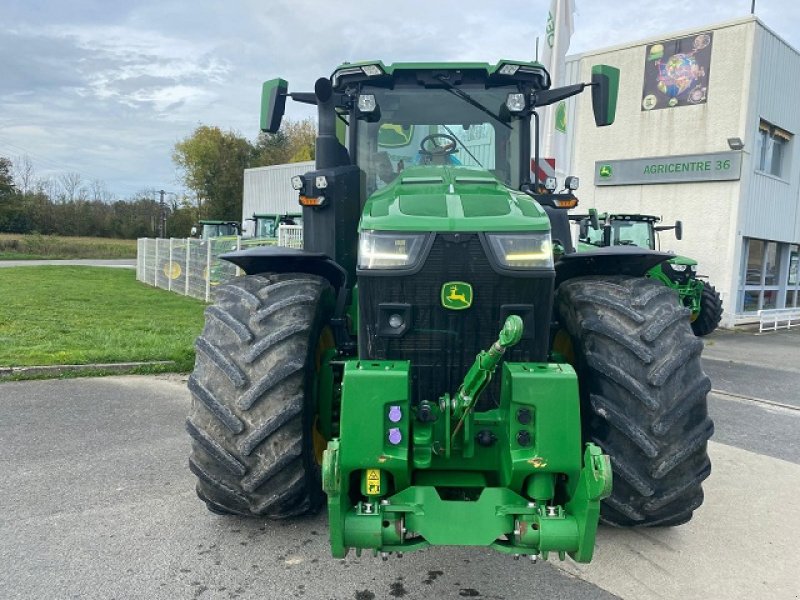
{"points": [[56, 370]]}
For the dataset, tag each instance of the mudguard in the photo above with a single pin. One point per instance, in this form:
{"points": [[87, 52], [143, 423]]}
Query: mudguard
{"points": [[278, 259], [612, 260]]}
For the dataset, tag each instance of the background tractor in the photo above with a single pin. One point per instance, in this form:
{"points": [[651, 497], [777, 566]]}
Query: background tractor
{"points": [[212, 229], [437, 360], [678, 273]]}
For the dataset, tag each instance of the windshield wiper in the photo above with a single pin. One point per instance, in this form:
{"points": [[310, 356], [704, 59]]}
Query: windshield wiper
{"points": [[450, 131], [467, 98]]}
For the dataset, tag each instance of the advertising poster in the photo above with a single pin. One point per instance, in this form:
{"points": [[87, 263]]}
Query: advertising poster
{"points": [[676, 72]]}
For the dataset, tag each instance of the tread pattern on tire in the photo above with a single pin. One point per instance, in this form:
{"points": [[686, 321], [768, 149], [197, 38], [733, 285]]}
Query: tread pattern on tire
{"points": [[643, 395], [710, 311], [251, 451]]}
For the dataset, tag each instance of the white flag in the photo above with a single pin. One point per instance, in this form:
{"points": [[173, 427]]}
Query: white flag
{"points": [[553, 124]]}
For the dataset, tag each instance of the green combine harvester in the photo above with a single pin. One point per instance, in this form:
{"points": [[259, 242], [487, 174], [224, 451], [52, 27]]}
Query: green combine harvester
{"points": [[437, 361], [678, 273]]}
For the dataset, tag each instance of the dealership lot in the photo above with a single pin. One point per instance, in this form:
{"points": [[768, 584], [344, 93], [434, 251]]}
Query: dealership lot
{"points": [[98, 503]]}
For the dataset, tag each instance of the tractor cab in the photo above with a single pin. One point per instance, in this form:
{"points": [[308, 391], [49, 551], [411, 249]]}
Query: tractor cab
{"points": [[209, 229], [622, 230], [266, 225]]}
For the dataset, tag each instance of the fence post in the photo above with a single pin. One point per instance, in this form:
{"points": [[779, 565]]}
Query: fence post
{"points": [[142, 262], [155, 267], [169, 267], [208, 270], [186, 266], [238, 247]]}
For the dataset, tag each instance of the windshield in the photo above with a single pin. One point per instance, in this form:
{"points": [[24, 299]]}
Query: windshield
{"points": [[626, 233], [218, 230], [265, 227], [453, 129]]}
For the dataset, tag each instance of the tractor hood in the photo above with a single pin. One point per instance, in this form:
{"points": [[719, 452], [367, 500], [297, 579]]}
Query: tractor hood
{"points": [[451, 198]]}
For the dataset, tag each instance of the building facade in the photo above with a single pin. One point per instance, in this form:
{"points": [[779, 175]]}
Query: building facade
{"points": [[705, 133], [268, 191]]}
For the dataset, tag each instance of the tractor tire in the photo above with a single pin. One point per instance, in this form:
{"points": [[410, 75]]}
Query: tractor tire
{"points": [[710, 311], [643, 395], [253, 397]]}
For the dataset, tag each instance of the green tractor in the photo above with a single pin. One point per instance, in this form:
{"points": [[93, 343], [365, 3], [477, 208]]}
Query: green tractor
{"points": [[437, 361], [265, 227], [212, 229], [678, 273], [222, 236]]}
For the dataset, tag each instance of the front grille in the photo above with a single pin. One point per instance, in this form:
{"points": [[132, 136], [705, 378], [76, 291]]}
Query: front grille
{"points": [[442, 344]]}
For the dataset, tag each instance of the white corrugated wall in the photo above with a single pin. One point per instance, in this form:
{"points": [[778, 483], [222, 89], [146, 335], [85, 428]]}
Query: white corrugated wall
{"points": [[268, 190]]}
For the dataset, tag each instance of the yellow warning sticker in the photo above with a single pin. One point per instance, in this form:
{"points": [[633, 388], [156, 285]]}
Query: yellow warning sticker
{"points": [[373, 482]]}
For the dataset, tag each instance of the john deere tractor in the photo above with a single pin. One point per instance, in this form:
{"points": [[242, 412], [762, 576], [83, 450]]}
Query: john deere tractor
{"points": [[212, 229], [437, 361], [679, 272]]}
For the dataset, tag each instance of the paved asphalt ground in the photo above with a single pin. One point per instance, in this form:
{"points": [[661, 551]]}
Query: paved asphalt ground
{"points": [[97, 502], [125, 263]]}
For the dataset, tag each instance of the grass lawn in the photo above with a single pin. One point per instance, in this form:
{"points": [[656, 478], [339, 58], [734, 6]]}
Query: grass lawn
{"points": [[79, 315], [16, 246]]}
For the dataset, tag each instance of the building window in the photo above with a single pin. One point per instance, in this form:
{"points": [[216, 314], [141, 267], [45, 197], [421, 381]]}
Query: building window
{"points": [[793, 280], [770, 276], [771, 148]]}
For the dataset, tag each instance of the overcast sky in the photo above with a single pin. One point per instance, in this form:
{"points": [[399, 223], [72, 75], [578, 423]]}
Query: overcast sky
{"points": [[105, 89]]}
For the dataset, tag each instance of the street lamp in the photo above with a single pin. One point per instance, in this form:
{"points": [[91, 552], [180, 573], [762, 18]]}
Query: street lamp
{"points": [[735, 143]]}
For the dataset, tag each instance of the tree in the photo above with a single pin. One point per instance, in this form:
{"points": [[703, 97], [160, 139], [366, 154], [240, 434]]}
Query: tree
{"points": [[212, 164], [71, 186], [294, 142], [12, 213], [24, 174]]}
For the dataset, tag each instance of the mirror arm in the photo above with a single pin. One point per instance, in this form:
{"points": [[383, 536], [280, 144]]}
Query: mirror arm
{"points": [[304, 97], [547, 97]]}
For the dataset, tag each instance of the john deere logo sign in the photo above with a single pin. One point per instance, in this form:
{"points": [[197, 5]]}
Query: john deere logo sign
{"points": [[456, 295], [605, 171]]}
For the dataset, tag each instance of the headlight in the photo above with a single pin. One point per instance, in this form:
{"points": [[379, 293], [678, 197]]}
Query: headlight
{"points": [[693, 268], [515, 103], [522, 250], [389, 249], [367, 103], [678, 268]]}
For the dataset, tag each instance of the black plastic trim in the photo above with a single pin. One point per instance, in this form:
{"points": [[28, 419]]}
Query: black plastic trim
{"points": [[611, 260], [277, 259]]}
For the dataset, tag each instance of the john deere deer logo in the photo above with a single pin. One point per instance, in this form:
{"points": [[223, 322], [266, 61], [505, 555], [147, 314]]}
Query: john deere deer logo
{"points": [[456, 295]]}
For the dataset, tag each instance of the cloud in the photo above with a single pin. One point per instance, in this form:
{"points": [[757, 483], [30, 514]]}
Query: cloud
{"points": [[106, 88]]}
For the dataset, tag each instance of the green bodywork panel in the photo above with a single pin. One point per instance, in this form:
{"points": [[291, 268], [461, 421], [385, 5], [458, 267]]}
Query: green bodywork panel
{"points": [[529, 491], [690, 293], [488, 68], [612, 76], [451, 198]]}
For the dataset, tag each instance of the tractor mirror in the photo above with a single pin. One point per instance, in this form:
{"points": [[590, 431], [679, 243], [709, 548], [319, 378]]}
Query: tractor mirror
{"points": [[583, 229], [593, 219], [194, 231], [679, 230], [273, 104], [605, 88]]}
